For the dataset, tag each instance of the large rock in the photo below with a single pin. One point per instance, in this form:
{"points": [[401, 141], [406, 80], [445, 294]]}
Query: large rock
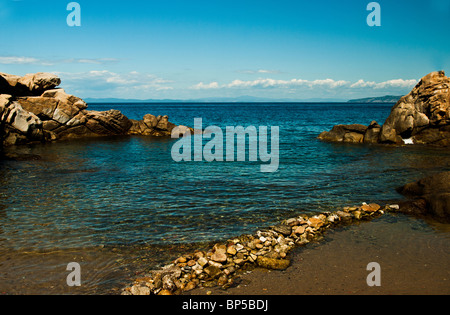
{"points": [[111, 122], [153, 126], [9, 85], [421, 117], [430, 196], [43, 107], [345, 133], [4, 102], [32, 109], [39, 82], [18, 125], [28, 85], [372, 133], [426, 109]]}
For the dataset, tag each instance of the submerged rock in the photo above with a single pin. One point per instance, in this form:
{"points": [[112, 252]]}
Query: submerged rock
{"points": [[283, 229], [429, 196]]}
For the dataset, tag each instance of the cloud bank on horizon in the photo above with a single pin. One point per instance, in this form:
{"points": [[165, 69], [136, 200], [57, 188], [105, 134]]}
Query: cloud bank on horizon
{"points": [[198, 49]]}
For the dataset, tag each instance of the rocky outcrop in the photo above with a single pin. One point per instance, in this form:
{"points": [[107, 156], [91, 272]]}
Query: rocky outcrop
{"points": [[30, 84], [429, 196], [16, 124], [33, 109], [421, 117]]}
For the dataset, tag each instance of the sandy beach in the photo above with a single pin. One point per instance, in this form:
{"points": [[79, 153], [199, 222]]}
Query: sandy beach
{"points": [[416, 262]]}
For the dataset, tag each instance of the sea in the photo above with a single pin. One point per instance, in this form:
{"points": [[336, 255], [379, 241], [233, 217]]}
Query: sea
{"points": [[120, 206]]}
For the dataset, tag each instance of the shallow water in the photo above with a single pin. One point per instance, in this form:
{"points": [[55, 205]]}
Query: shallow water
{"points": [[128, 193]]}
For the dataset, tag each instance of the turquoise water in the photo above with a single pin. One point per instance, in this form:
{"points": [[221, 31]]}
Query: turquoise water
{"points": [[128, 190], [121, 206]]}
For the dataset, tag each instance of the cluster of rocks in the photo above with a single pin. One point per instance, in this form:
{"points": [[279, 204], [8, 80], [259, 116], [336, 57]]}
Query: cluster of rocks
{"points": [[33, 109], [421, 117], [355, 133], [268, 248]]}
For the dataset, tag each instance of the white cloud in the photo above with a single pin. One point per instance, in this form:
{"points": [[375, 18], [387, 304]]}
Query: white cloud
{"points": [[397, 83], [363, 84], [22, 60], [272, 83], [96, 61], [16, 60], [99, 82], [260, 71], [329, 84], [400, 83], [202, 86]]}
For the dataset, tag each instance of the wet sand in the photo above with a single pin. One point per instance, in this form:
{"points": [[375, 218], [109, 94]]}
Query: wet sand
{"points": [[414, 257], [45, 273], [104, 270]]}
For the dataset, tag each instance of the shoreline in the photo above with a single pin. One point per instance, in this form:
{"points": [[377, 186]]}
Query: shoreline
{"points": [[412, 252], [267, 248]]}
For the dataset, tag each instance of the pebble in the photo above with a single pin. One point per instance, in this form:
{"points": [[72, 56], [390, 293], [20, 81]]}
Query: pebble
{"points": [[140, 290], [212, 271], [300, 229], [202, 261], [272, 263], [219, 257], [239, 247], [222, 280], [191, 285], [232, 250], [283, 229]]}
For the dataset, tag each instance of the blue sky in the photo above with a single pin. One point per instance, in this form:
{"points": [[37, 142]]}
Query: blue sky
{"points": [[194, 49]]}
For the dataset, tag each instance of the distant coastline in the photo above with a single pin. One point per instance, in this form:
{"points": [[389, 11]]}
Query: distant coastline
{"points": [[249, 99], [382, 99]]}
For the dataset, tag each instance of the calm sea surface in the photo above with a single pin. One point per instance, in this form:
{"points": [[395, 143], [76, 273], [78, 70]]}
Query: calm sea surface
{"points": [[113, 195]]}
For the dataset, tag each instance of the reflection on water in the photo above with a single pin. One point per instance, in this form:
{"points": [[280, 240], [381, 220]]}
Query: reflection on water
{"points": [[126, 192]]}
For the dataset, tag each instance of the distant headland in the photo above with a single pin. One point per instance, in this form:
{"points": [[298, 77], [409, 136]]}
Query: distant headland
{"points": [[381, 99]]}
